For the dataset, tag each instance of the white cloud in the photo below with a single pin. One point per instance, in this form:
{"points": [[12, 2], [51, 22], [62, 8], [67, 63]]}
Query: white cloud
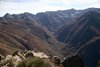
{"points": [[18, 0], [34, 6]]}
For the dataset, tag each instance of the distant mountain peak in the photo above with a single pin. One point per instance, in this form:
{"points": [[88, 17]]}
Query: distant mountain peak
{"points": [[7, 15]]}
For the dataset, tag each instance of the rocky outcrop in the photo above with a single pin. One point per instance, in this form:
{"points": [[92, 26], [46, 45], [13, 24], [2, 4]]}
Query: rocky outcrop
{"points": [[21, 59], [73, 61]]}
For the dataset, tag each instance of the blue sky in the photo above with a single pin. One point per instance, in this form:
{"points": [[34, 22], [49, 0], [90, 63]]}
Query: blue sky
{"points": [[35, 6]]}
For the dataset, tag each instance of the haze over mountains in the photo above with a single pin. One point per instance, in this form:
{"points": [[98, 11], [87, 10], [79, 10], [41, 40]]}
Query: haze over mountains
{"points": [[63, 33]]}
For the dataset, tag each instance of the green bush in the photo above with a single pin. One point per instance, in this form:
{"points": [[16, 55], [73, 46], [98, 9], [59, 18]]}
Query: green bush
{"points": [[21, 64], [36, 62], [33, 62]]}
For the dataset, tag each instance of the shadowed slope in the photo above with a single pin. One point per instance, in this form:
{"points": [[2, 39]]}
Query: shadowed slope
{"points": [[83, 38]]}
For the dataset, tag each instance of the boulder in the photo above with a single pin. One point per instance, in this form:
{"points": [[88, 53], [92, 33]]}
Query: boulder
{"points": [[74, 61]]}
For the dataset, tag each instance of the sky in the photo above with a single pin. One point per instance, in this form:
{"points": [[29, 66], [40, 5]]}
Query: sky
{"points": [[35, 6]]}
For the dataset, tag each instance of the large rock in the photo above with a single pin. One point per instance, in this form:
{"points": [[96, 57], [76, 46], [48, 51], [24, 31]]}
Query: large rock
{"points": [[74, 61]]}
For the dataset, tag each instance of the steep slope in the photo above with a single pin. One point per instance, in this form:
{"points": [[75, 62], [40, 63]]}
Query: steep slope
{"points": [[83, 30], [28, 22], [90, 52], [18, 32], [53, 20], [83, 38]]}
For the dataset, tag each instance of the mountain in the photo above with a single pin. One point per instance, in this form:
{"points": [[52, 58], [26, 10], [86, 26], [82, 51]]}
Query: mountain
{"points": [[61, 33], [22, 32], [83, 37], [38, 26], [53, 20]]}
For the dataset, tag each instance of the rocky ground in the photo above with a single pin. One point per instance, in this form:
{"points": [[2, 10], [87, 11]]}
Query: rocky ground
{"points": [[33, 57], [17, 57]]}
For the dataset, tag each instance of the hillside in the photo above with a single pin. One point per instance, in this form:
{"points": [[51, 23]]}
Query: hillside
{"points": [[55, 19], [18, 32], [83, 37]]}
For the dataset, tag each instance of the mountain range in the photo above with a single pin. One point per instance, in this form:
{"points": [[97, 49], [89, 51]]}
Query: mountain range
{"points": [[62, 33]]}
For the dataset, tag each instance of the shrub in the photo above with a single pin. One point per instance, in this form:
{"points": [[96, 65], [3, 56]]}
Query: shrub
{"points": [[33, 62], [36, 62], [21, 64]]}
